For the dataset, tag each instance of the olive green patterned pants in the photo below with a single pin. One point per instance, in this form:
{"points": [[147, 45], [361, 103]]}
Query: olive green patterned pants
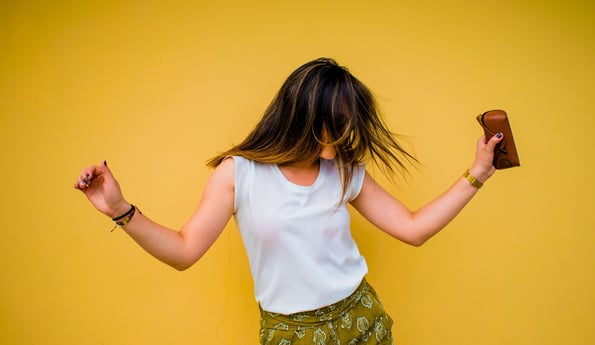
{"points": [[358, 319]]}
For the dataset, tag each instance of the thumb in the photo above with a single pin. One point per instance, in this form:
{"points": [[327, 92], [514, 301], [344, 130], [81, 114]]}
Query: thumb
{"points": [[105, 168], [105, 171], [494, 140]]}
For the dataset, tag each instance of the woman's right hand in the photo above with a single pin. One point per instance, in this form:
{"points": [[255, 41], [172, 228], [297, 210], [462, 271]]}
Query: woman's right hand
{"points": [[102, 190]]}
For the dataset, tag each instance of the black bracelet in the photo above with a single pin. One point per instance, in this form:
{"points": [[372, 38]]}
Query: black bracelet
{"points": [[126, 217], [125, 214]]}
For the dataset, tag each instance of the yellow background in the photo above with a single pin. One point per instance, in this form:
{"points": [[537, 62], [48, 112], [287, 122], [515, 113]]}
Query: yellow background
{"points": [[158, 87]]}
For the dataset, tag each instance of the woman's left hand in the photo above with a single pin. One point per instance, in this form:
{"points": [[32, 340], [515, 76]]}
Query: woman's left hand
{"points": [[482, 167]]}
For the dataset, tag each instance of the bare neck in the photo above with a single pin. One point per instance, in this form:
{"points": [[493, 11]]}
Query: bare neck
{"points": [[303, 174]]}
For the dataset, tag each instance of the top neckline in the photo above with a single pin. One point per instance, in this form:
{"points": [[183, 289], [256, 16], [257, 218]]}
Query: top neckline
{"points": [[322, 168]]}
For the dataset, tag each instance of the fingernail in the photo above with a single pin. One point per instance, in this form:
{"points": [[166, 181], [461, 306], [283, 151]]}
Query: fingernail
{"points": [[105, 163], [86, 180], [499, 135]]}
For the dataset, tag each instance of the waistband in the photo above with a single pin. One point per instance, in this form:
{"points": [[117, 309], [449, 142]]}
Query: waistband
{"points": [[312, 318]]}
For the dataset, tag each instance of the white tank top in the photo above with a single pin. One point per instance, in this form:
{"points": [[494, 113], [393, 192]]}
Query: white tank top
{"points": [[298, 238]]}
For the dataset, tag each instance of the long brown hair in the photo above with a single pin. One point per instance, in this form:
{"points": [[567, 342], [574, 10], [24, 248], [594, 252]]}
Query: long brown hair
{"points": [[320, 95]]}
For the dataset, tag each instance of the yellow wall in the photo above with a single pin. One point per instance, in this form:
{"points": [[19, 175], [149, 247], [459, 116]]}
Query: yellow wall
{"points": [[156, 88]]}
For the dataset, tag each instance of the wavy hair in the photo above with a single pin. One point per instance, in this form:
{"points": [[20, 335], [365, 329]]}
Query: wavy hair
{"points": [[322, 95]]}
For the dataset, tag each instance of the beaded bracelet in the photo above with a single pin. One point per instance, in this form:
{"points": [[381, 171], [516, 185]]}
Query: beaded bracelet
{"points": [[126, 217]]}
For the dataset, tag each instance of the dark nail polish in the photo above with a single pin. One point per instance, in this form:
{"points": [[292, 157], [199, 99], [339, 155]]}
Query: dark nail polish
{"points": [[499, 135], [86, 180], [105, 163]]}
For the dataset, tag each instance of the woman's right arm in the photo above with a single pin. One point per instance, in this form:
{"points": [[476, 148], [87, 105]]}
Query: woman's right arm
{"points": [[179, 249]]}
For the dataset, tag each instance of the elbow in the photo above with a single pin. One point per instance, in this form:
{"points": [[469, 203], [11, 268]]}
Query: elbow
{"points": [[182, 265], [416, 242], [418, 236], [184, 259]]}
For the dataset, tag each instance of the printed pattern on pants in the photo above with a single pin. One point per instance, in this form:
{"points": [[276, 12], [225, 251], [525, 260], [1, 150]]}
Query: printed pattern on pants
{"points": [[358, 319]]}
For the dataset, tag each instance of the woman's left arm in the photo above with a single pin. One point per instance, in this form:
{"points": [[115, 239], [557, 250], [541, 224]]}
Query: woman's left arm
{"points": [[416, 227]]}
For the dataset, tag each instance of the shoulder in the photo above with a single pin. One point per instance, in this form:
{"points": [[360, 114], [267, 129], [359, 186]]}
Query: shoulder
{"points": [[232, 163], [228, 163], [356, 166], [236, 169], [368, 190], [354, 173], [224, 173]]}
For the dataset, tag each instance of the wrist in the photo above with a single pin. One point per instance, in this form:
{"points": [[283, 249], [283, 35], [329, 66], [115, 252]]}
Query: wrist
{"points": [[480, 173], [119, 210], [126, 217], [472, 179]]}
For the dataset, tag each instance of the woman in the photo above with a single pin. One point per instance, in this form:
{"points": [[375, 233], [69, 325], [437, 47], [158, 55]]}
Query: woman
{"points": [[288, 184]]}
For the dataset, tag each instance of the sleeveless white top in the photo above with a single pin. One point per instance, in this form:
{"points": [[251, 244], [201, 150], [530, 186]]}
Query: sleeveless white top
{"points": [[298, 238]]}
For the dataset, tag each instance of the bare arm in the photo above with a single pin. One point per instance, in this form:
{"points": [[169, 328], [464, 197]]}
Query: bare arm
{"points": [[416, 227], [179, 249]]}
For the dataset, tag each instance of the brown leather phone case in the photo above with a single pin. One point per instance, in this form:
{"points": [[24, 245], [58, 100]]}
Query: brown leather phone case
{"points": [[505, 153]]}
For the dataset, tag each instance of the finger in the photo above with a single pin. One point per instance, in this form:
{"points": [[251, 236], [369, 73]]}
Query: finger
{"points": [[89, 174], [81, 185], [494, 140], [103, 170], [86, 177]]}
